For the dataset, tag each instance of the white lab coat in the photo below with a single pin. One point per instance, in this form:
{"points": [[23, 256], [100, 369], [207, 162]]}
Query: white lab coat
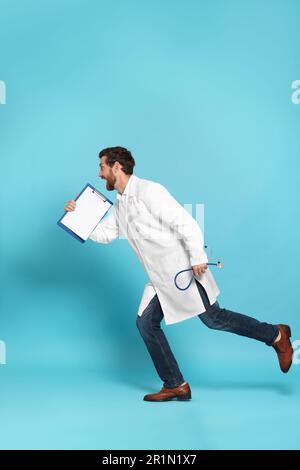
{"points": [[166, 239]]}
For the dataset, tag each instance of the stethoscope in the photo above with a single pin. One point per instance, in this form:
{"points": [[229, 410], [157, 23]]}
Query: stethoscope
{"points": [[218, 264]]}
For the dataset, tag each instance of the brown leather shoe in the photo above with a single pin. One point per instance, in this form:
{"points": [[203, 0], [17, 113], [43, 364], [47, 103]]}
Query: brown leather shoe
{"points": [[181, 393], [284, 348]]}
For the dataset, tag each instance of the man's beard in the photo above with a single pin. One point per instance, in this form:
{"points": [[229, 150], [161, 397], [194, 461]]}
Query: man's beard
{"points": [[110, 183]]}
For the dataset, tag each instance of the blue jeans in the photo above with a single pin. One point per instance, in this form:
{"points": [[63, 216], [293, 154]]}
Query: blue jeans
{"points": [[214, 317]]}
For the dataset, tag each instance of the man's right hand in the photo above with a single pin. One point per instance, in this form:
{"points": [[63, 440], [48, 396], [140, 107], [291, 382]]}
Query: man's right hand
{"points": [[199, 269], [70, 206]]}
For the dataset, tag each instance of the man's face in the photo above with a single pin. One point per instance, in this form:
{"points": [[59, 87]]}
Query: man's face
{"points": [[106, 173]]}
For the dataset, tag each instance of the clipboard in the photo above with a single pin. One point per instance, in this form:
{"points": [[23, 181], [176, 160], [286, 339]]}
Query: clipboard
{"points": [[91, 207]]}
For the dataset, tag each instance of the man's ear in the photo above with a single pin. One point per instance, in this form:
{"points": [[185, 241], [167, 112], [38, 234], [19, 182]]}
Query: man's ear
{"points": [[117, 166]]}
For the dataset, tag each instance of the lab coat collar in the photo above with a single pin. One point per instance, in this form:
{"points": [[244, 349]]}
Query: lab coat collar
{"points": [[129, 188]]}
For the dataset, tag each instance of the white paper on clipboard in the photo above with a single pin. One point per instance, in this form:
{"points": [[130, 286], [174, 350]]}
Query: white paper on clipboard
{"points": [[91, 206]]}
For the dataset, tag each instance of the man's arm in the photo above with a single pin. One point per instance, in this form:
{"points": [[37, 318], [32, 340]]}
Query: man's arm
{"points": [[162, 204], [107, 230]]}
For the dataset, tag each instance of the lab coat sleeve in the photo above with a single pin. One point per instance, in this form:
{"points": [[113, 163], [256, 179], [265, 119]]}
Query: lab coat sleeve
{"points": [[163, 205], [107, 230]]}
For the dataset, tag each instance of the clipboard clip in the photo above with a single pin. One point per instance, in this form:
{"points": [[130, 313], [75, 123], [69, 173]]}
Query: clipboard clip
{"points": [[99, 194]]}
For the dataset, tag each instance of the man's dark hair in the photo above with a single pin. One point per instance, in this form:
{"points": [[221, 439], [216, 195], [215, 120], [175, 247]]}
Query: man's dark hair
{"points": [[121, 155]]}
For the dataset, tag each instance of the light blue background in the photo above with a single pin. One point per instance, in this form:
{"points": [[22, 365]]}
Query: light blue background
{"points": [[200, 92]]}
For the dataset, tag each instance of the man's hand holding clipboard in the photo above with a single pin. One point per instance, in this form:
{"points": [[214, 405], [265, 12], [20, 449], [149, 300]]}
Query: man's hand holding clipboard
{"points": [[70, 206]]}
